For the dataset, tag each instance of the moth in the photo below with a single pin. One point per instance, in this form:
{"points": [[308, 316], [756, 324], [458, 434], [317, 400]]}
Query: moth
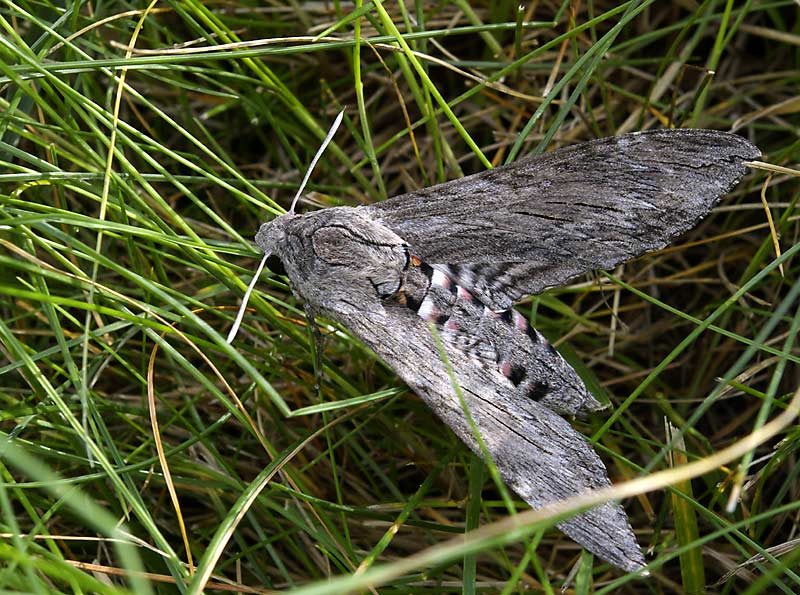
{"points": [[458, 255]]}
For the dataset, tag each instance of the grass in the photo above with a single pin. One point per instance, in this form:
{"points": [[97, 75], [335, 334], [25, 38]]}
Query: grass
{"points": [[139, 150]]}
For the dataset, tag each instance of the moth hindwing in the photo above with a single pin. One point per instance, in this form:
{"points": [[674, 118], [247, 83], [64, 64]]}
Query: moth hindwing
{"points": [[459, 254]]}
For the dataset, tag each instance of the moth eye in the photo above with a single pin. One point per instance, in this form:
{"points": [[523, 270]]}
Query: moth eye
{"points": [[275, 265]]}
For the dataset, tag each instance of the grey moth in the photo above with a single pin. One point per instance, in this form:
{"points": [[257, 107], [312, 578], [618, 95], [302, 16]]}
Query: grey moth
{"points": [[458, 255]]}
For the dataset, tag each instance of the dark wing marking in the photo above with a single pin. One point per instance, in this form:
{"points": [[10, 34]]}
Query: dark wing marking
{"points": [[522, 228]]}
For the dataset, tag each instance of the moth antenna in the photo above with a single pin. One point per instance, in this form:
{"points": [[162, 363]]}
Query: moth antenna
{"points": [[240, 314], [331, 132]]}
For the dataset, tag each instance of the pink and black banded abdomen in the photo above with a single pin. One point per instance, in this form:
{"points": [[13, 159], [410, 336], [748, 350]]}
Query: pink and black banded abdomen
{"points": [[502, 341]]}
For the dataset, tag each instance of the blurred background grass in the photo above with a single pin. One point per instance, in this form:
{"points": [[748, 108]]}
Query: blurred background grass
{"points": [[142, 145]]}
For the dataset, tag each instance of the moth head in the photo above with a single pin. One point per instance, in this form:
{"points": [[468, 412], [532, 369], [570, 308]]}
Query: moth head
{"points": [[271, 237]]}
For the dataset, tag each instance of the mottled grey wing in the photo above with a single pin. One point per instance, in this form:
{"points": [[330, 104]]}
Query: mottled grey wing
{"points": [[519, 229], [538, 454]]}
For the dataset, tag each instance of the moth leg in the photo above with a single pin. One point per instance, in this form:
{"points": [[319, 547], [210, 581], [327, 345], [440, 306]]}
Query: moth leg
{"points": [[318, 347]]}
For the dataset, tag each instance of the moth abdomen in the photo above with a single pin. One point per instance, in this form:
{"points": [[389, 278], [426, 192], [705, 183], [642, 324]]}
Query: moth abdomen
{"points": [[498, 341]]}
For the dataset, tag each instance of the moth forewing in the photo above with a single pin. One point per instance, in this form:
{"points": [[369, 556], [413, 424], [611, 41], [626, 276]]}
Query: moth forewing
{"points": [[458, 254], [519, 229]]}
